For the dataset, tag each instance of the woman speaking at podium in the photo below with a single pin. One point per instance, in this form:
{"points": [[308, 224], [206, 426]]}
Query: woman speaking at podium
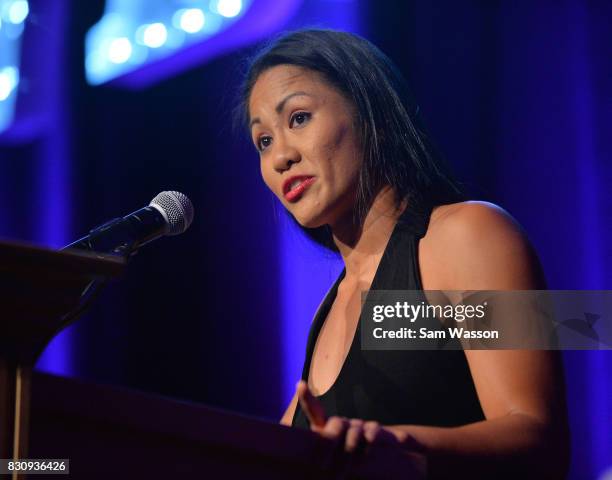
{"points": [[342, 147]]}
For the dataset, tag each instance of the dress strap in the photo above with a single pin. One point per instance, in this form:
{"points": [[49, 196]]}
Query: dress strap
{"points": [[317, 323], [415, 219]]}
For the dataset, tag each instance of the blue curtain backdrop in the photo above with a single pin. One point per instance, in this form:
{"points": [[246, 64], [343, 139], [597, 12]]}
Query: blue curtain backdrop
{"points": [[518, 96], [554, 166]]}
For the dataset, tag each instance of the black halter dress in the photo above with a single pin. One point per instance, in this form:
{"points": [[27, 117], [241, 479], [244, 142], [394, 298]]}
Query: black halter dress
{"points": [[417, 387]]}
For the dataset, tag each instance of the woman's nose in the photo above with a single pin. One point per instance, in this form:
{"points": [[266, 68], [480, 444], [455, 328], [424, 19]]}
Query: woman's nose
{"points": [[285, 156]]}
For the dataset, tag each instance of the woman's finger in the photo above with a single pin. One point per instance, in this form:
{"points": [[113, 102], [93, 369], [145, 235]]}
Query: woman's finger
{"points": [[311, 406], [372, 431], [335, 428], [375, 433], [354, 435]]}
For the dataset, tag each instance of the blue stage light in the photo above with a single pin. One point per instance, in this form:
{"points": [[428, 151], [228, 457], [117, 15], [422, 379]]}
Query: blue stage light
{"points": [[9, 78], [18, 11], [120, 50], [155, 35], [191, 20], [158, 26], [5, 87], [228, 8], [13, 14], [162, 33]]}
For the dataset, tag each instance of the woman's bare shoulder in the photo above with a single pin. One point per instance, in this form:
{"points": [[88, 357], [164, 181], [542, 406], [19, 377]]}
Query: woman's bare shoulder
{"points": [[477, 245], [469, 216]]}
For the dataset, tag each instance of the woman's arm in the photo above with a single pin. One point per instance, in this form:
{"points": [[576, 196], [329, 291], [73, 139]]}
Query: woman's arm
{"points": [[480, 247], [288, 415]]}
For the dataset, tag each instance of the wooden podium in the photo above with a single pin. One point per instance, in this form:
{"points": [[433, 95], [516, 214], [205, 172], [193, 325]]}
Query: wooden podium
{"points": [[41, 292], [107, 432], [110, 433]]}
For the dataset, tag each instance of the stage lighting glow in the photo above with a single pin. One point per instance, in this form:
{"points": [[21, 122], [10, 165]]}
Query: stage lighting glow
{"points": [[191, 20], [12, 24], [5, 87], [95, 62], [120, 50], [138, 42], [155, 35], [18, 11], [229, 8], [9, 78], [139, 54]]}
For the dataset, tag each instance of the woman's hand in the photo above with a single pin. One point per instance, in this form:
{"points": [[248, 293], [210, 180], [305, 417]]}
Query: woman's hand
{"points": [[375, 451]]}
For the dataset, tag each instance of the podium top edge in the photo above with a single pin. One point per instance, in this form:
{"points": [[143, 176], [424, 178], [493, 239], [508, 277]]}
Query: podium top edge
{"points": [[14, 255]]}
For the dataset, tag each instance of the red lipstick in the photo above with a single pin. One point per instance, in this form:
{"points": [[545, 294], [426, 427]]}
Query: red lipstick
{"points": [[293, 194]]}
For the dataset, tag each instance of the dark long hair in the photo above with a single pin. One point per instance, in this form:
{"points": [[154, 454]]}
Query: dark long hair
{"points": [[396, 150]]}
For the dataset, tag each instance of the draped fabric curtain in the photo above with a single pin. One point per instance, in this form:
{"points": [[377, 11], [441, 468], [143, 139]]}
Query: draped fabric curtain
{"points": [[554, 165]]}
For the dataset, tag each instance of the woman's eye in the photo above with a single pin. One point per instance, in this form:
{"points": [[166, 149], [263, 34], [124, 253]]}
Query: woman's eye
{"points": [[299, 118], [263, 143]]}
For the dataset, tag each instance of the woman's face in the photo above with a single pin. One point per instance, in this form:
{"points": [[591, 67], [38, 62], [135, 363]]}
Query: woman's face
{"points": [[309, 153]]}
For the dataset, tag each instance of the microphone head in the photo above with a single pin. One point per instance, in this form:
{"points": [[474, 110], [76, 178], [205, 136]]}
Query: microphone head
{"points": [[176, 208]]}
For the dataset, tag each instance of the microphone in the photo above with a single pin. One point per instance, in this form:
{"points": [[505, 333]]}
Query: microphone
{"points": [[169, 213]]}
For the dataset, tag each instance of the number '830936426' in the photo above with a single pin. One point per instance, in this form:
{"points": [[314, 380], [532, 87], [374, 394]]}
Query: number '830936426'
{"points": [[60, 466]]}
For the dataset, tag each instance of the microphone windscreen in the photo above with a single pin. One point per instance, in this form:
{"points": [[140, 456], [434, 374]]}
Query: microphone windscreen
{"points": [[176, 208]]}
